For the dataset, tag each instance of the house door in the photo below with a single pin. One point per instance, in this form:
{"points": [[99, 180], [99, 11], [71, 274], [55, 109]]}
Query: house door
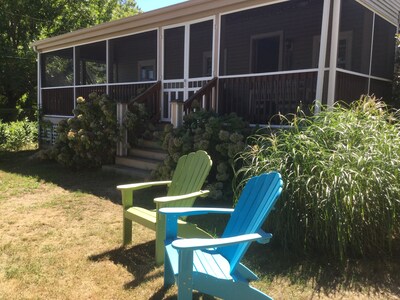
{"points": [[187, 62]]}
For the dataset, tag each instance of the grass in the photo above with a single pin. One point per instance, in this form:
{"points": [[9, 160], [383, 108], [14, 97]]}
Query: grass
{"points": [[61, 233]]}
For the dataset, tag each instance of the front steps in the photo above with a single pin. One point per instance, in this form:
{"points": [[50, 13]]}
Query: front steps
{"points": [[140, 162]]}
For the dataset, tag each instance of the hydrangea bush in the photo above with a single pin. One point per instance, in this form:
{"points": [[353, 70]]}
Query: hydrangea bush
{"points": [[222, 138], [89, 138]]}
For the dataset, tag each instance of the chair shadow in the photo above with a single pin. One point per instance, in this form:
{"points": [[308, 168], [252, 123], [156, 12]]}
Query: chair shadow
{"points": [[138, 260]]}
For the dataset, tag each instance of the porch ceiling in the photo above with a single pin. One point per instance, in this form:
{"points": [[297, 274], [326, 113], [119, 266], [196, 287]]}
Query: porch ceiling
{"points": [[174, 14]]}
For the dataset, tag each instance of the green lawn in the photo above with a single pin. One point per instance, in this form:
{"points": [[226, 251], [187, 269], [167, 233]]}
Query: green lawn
{"points": [[61, 233]]}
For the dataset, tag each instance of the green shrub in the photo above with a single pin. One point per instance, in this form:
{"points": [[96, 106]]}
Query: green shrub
{"points": [[138, 124], [222, 137], [89, 138], [18, 135], [341, 170]]}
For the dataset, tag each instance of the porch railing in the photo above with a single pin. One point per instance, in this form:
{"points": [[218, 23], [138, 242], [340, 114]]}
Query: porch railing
{"points": [[85, 91], [127, 92], [58, 101], [205, 97], [258, 98], [151, 97]]}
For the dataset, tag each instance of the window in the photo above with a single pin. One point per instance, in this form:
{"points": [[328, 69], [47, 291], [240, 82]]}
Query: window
{"points": [[146, 70], [345, 46], [266, 53]]}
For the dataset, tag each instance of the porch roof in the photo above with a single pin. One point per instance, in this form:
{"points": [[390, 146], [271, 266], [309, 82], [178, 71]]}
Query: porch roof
{"points": [[179, 13], [174, 14]]}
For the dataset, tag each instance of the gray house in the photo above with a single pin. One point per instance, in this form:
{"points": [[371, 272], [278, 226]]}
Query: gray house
{"points": [[252, 57]]}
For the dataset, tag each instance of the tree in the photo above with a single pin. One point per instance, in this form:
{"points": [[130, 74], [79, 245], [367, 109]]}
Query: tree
{"points": [[24, 21]]}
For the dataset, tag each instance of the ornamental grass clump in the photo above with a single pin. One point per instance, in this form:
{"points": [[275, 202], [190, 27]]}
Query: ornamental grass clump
{"points": [[341, 170], [89, 138]]}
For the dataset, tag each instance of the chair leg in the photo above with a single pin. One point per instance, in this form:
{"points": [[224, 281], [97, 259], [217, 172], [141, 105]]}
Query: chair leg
{"points": [[126, 231], [185, 277], [160, 237], [159, 250], [169, 278]]}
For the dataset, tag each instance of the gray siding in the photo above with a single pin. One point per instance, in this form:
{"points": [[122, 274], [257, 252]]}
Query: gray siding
{"points": [[388, 9]]}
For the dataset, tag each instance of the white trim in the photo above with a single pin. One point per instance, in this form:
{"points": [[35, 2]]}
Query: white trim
{"points": [[186, 58], [57, 87], [371, 51], [270, 73], [253, 6], [74, 70], [322, 55], [39, 80], [334, 52], [217, 46], [58, 116], [100, 40], [131, 83], [107, 65], [211, 17], [362, 75], [159, 58], [375, 11]]}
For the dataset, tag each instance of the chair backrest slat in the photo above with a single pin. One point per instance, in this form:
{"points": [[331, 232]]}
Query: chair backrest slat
{"points": [[189, 176], [255, 203]]}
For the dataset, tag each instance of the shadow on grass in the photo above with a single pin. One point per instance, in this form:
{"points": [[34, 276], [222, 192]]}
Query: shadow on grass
{"points": [[327, 276], [96, 182], [138, 260]]}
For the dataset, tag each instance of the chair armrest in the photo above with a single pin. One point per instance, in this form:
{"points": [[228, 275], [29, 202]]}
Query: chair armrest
{"points": [[192, 211], [196, 244], [181, 197], [142, 185]]}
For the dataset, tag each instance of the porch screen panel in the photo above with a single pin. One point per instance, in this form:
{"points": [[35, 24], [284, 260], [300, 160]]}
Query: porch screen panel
{"points": [[272, 38], [174, 45], [382, 89], [350, 87], [384, 49], [134, 58], [91, 64], [57, 68], [200, 57], [355, 36]]}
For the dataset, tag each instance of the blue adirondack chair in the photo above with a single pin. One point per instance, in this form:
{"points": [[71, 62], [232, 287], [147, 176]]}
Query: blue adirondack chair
{"points": [[212, 266]]}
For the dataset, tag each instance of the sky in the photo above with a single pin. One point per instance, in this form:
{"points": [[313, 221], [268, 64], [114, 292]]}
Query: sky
{"points": [[147, 5]]}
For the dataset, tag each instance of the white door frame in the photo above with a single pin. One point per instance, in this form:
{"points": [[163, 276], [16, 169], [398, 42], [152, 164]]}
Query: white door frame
{"points": [[182, 86]]}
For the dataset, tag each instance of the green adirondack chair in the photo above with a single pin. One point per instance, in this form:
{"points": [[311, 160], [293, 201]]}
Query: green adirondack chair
{"points": [[188, 178]]}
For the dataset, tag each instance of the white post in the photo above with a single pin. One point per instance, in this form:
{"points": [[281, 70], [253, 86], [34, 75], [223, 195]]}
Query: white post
{"points": [[122, 145], [334, 52], [177, 113], [322, 55]]}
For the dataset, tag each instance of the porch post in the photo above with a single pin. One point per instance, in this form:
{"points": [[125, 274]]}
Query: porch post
{"points": [[216, 45], [177, 113], [334, 52], [122, 145], [322, 55]]}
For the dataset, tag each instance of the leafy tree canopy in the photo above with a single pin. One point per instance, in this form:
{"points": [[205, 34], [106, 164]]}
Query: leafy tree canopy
{"points": [[24, 21]]}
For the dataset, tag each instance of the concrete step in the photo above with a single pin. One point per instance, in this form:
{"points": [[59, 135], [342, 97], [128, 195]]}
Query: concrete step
{"points": [[150, 153], [133, 172], [138, 162], [151, 144]]}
